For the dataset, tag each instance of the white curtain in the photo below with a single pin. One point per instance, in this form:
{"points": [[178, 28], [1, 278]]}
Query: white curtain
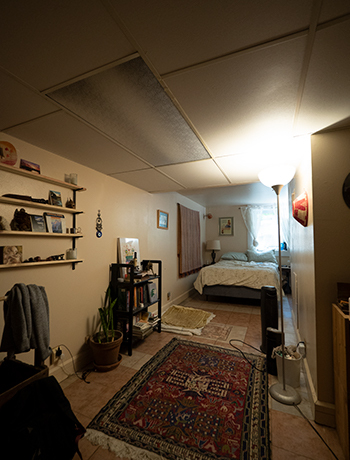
{"points": [[252, 218], [285, 222]]}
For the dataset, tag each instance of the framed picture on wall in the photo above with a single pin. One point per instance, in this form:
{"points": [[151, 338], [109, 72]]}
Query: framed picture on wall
{"points": [[55, 223], [162, 219], [226, 226]]}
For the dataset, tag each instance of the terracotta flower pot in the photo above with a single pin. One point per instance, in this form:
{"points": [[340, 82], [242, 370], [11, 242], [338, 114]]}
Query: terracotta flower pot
{"points": [[106, 354]]}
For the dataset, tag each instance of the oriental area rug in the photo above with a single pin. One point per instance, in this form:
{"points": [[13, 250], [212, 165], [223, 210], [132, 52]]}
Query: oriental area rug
{"points": [[191, 401]]}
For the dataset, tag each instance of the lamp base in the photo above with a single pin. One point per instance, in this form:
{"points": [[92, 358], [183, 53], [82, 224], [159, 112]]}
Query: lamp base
{"points": [[213, 256], [287, 396]]}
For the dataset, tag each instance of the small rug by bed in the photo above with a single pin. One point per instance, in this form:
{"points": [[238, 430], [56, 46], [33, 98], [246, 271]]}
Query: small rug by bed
{"points": [[185, 320], [191, 401]]}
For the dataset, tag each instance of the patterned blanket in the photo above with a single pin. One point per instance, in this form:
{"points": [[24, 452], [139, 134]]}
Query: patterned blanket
{"points": [[236, 273]]}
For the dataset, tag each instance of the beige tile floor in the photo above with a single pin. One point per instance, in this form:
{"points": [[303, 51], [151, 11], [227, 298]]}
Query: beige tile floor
{"points": [[292, 437]]}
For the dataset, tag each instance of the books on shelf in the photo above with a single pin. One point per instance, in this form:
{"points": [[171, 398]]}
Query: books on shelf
{"points": [[140, 297], [142, 333]]}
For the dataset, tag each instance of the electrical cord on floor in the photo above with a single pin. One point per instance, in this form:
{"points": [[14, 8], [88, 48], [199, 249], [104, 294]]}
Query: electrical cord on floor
{"points": [[84, 374], [244, 356], [318, 434]]}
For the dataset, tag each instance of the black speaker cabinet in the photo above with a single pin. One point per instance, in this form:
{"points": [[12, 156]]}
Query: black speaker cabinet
{"points": [[269, 313], [273, 340]]}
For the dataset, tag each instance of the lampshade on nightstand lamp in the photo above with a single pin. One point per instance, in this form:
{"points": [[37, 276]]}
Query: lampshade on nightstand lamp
{"points": [[213, 245]]}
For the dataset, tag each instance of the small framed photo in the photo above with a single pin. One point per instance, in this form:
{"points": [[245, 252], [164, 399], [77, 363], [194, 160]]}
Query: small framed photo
{"points": [[55, 223], [38, 223], [162, 219], [10, 255], [55, 198], [29, 166], [226, 226]]}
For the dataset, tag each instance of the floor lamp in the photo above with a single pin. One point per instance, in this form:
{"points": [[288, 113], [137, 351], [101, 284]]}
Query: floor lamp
{"points": [[276, 177]]}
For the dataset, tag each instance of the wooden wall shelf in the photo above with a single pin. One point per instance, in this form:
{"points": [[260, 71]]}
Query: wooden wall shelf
{"points": [[45, 207]]}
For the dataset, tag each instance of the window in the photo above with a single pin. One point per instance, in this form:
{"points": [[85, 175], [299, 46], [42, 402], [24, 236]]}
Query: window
{"points": [[267, 235], [266, 229]]}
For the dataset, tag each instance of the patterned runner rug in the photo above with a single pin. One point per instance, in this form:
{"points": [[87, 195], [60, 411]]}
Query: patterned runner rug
{"points": [[190, 401]]}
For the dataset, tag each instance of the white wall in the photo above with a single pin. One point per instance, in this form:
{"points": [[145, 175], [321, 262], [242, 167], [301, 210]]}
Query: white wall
{"points": [[75, 295], [330, 167], [302, 268], [320, 258], [237, 242]]}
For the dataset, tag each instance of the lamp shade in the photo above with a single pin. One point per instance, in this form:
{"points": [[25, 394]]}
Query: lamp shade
{"points": [[213, 245], [276, 175]]}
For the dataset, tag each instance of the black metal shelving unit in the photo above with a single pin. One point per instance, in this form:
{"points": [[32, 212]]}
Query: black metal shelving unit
{"points": [[127, 308]]}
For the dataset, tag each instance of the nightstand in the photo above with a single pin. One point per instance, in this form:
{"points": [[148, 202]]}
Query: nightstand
{"points": [[286, 276]]}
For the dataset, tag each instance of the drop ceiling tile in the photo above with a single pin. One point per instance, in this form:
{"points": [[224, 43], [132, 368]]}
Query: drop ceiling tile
{"points": [[245, 168], [326, 98], [233, 195], [178, 34], [333, 8], [19, 104], [64, 135], [203, 173], [46, 43], [241, 169], [149, 180], [237, 103], [129, 105]]}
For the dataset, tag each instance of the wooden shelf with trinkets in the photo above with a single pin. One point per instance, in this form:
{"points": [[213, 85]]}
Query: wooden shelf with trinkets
{"points": [[64, 210]]}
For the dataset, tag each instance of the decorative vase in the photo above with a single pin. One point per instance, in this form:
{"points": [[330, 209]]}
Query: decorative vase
{"points": [[106, 354]]}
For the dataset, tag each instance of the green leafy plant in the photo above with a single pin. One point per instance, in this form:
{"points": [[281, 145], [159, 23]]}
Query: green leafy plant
{"points": [[106, 332]]}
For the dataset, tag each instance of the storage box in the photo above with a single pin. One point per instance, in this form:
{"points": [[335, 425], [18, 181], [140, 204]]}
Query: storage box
{"points": [[291, 371], [15, 375]]}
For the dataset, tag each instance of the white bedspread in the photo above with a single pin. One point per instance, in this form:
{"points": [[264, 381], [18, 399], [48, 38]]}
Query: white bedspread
{"points": [[249, 274]]}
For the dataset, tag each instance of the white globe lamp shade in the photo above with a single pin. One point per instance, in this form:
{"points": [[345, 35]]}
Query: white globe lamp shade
{"points": [[276, 175]]}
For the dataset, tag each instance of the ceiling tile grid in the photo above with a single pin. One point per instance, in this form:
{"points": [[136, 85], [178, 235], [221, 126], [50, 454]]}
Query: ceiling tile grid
{"points": [[66, 136], [19, 103], [243, 99], [326, 97], [203, 173], [150, 180], [238, 77], [45, 43], [179, 34], [129, 105]]}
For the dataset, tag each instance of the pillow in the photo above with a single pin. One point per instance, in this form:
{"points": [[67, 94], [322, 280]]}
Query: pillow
{"points": [[235, 256], [267, 256]]}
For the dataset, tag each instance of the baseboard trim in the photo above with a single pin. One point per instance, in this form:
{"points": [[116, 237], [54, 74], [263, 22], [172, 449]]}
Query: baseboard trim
{"points": [[178, 299], [323, 412]]}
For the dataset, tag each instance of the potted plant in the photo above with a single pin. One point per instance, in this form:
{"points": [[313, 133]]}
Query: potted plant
{"points": [[105, 343]]}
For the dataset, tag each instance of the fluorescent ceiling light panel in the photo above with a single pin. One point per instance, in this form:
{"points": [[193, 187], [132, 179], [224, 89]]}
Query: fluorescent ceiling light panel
{"points": [[128, 104]]}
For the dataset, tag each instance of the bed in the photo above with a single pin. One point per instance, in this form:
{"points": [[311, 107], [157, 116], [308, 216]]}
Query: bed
{"points": [[239, 275]]}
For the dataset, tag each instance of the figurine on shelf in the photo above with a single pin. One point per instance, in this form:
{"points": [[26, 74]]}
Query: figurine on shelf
{"points": [[70, 203], [149, 268], [21, 221], [4, 225]]}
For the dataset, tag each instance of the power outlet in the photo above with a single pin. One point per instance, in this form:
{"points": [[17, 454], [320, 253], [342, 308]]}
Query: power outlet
{"points": [[56, 355]]}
